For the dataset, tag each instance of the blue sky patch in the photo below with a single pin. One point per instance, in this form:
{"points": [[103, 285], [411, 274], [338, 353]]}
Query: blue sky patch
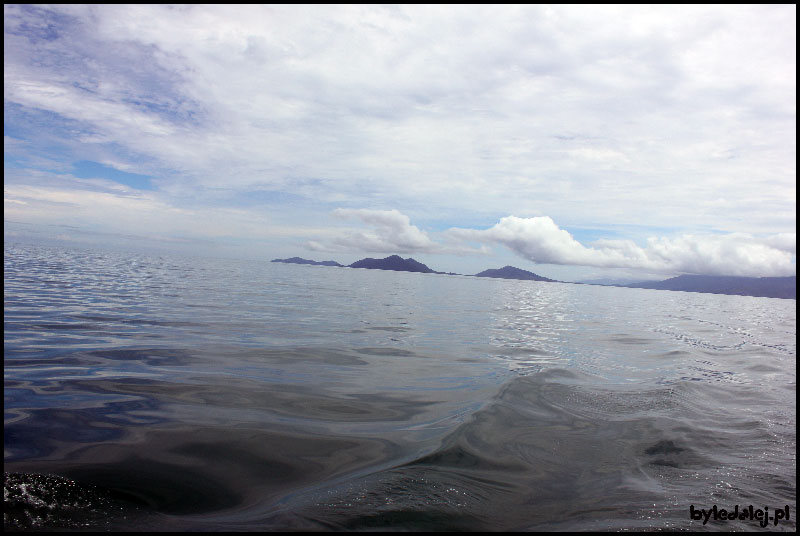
{"points": [[86, 169]]}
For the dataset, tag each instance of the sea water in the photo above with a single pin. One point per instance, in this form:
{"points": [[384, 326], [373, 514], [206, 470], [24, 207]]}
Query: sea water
{"points": [[158, 392]]}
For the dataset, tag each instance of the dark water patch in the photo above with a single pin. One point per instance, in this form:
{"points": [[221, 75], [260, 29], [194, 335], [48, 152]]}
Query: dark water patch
{"points": [[415, 520], [294, 355], [162, 323], [107, 422], [674, 354], [70, 326], [54, 359], [201, 470], [147, 356], [666, 452], [302, 401], [457, 457], [524, 351], [624, 338], [444, 501], [35, 502], [164, 488], [388, 352], [663, 447]]}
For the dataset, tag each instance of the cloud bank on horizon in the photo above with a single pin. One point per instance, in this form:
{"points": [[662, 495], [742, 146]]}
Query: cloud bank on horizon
{"points": [[541, 241], [659, 139]]}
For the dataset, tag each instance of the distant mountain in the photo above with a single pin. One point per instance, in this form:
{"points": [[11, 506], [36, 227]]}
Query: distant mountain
{"points": [[766, 287], [298, 260], [510, 272], [394, 262]]}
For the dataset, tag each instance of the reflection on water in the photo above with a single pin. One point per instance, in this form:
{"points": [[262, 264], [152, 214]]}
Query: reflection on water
{"points": [[163, 393]]}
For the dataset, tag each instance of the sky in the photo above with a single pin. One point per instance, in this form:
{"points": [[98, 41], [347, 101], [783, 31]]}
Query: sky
{"points": [[577, 142]]}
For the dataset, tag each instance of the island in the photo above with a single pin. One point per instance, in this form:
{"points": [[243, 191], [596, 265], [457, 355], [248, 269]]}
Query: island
{"points": [[763, 287], [510, 272], [395, 263], [298, 260]]}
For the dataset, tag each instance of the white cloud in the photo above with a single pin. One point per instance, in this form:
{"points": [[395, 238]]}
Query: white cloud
{"points": [[784, 242], [732, 254], [392, 233], [540, 240]]}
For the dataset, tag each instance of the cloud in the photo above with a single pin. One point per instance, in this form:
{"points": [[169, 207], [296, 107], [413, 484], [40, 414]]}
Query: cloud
{"points": [[784, 242], [540, 240], [391, 232]]}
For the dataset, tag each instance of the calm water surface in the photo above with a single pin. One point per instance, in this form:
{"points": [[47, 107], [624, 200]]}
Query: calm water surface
{"points": [[167, 393]]}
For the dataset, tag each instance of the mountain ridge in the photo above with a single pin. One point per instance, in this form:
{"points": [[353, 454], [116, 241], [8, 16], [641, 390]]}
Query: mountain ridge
{"points": [[762, 287], [512, 272], [299, 260], [394, 263]]}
